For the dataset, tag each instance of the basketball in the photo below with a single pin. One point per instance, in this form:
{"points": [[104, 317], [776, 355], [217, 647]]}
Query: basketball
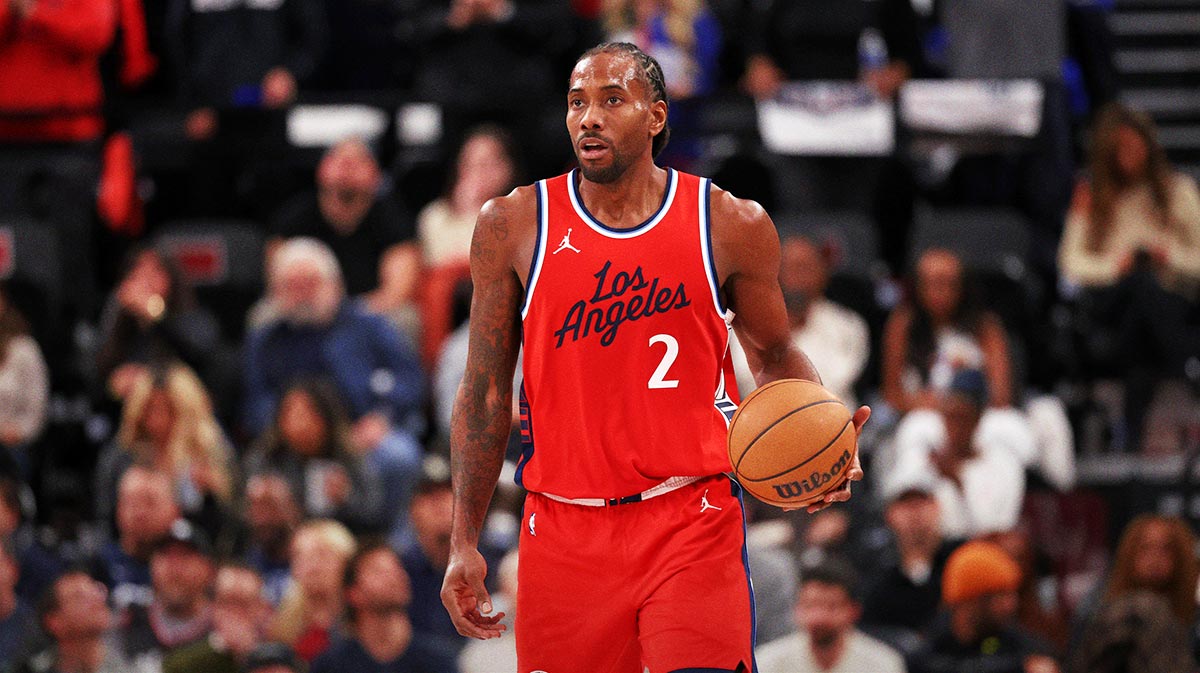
{"points": [[790, 442]]}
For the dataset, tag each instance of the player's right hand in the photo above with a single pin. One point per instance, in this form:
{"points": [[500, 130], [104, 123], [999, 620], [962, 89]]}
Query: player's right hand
{"points": [[466, 598]]}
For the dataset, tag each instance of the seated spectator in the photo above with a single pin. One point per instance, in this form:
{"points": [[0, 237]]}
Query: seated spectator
{"points": [[272, 515], [373, 242], [229, 57], [834, 337], [18, 620], [308, 617], [273, 658], [1039, 609], [24, 382], [980, 485], [801, 40], [979, 591], [379, 635], [497, 654], [239, 618], [319, 333], [74, 614], [484, 169], [903, 596], [145, 511], [181, 573], [1135, 633], [826, 612], [941, 331], [684, 37], [152, 319], [52, 122], [426, 555], [309, 446], [1132, 243], [41, 558], [1152, 584], [167, 424]]}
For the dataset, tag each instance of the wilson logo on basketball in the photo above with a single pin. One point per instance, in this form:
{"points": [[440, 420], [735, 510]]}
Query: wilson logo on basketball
{"points": [[623, 297], [815, 482]]}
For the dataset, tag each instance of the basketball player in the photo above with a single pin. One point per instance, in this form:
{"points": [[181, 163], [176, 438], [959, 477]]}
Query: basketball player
{"points": [[632, 550]]}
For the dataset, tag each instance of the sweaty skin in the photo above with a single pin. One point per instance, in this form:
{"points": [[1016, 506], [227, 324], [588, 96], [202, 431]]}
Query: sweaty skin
{"points": [[612, 118]]}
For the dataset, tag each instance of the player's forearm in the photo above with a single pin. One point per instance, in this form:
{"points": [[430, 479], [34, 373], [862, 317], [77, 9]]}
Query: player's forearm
{"points": [[784, 362], [479, 430]]}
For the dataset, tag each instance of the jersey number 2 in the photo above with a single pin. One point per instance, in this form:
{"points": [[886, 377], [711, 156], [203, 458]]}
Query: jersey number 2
{"points": [[658, 379]]}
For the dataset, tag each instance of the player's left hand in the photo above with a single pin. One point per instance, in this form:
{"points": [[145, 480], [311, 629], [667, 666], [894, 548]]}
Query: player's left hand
{"points": [[855, 473]]}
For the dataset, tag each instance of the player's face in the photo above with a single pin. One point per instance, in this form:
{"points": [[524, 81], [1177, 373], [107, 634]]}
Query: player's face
{"points": [[610, 115]]}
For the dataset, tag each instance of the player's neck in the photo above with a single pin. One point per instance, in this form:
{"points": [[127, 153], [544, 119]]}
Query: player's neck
{"points": [[630, 199]]}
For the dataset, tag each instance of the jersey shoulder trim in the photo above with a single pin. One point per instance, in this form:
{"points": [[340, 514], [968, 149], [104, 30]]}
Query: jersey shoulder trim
{"points": [[539, 246]]}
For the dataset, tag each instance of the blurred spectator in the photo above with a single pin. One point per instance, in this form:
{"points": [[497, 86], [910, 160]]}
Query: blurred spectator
{"points": [[151, 319], [484, 169], [181, 574], [426, 555], [319, 333], [307, 619], [168, 425], [1038, 608], [1132, 242], [73, 613], [801, 40], [379, 634], [51, 123], [18, 620], [239, 618], [273, 658], [826, 610], [145, 511], [246, 54], [309, 446], [497, 654], [373, 242], [462, 44], [1148, 601], [834, 337], [979, 590], [928, 339], [905, 589], [980, 484], [24, 383], [682, 35], [272, 515]]}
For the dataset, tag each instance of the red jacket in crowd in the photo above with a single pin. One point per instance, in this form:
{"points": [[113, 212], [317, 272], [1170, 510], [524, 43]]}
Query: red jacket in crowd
{"points": [[50, 88]]}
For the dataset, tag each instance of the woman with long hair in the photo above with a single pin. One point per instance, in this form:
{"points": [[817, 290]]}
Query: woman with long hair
{"points": [[939, 332], [312, 605], [167, 423], [1131, 243], [24, 381], [309, 446], [1147, 608]]}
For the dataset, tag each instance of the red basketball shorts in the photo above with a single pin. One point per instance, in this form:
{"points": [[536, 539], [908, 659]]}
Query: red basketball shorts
{"points": [[660, 584]]}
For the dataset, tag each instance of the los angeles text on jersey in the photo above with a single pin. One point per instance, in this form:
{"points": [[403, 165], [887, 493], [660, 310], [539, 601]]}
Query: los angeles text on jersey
{"points": [[626, 296]]}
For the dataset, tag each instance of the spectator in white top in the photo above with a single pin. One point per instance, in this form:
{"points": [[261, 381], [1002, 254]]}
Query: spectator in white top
{"points": [[835, 338], [827, 641], [24, 380], [980, 479]]}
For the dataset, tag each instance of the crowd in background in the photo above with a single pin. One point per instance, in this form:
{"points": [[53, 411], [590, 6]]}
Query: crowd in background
{"points": [[228, 359]]}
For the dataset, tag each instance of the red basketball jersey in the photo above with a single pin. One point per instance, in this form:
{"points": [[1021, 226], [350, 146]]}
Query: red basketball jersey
{"points": [[625, 347]]}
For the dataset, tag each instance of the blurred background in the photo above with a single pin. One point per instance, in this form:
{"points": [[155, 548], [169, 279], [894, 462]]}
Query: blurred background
{"points": [[234, 291]]}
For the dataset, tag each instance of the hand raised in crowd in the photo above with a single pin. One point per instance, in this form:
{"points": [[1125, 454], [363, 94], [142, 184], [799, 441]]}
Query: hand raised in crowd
{"points": [[278, 88], [139, 300]]}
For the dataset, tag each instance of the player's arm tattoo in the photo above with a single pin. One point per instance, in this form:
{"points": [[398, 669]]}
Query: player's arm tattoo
{"points": [[482, 415]]}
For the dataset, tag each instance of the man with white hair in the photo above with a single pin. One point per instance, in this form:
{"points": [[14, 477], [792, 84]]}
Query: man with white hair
{"points": [[316, 331]]}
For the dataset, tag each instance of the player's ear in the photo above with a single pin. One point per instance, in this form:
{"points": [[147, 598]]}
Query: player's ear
{"points": [[658, 117]]}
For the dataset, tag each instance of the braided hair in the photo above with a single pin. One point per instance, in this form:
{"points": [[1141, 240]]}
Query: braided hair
{"points": [[652, 76]]}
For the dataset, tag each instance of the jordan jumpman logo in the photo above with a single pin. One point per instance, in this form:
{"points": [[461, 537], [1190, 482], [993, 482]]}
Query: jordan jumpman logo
{"points": [[704, 506], [566, 244]]}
